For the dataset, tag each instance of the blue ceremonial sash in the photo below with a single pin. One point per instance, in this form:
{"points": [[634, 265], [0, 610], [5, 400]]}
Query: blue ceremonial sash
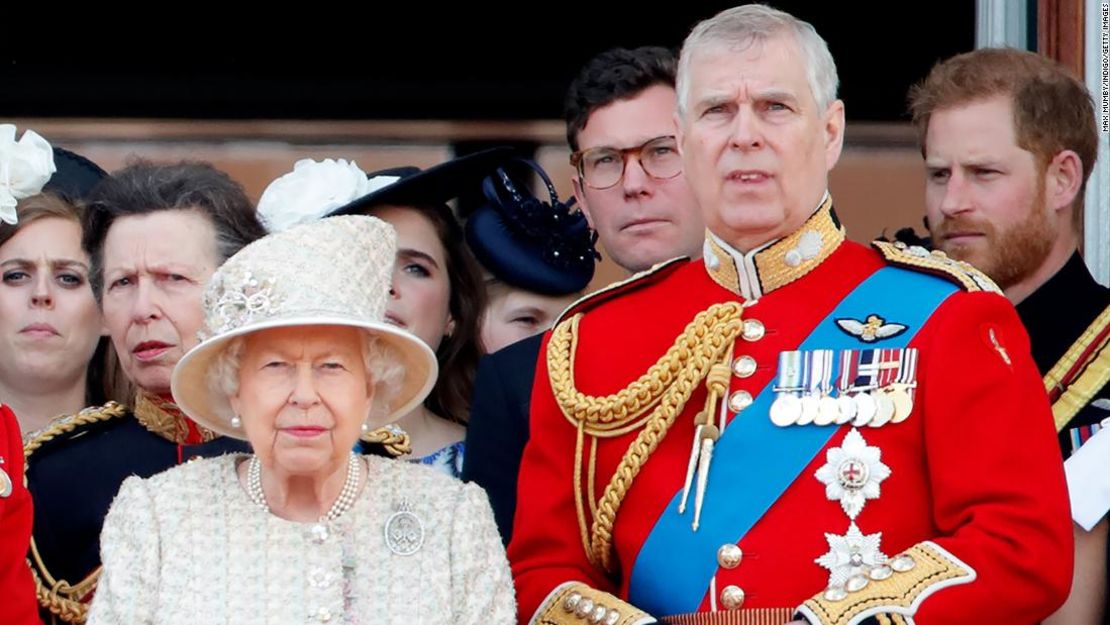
{"points": [[754, 462]]}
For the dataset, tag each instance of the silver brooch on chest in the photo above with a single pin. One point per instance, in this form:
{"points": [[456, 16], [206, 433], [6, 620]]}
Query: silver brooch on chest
{"points": [[404, 531], [852, 473]]}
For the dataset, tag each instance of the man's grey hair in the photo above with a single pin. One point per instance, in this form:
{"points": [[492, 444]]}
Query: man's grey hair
{"points": [[751, 24], [383, 367]]}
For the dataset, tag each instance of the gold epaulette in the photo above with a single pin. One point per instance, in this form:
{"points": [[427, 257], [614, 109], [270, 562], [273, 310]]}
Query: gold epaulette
{"points": [[893, 595], [936, 263], [637, 280], [69, 602], [574, 603]]}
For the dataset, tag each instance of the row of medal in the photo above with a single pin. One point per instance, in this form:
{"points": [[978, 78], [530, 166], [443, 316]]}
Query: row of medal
{"points": [[871, 387]]}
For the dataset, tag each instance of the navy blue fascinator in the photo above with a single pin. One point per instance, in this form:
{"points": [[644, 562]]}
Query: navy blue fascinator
{"points": [[538, 246]]}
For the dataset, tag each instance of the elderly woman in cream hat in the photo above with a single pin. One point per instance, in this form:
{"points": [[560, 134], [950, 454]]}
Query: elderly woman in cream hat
{"points": [[298, 362]]}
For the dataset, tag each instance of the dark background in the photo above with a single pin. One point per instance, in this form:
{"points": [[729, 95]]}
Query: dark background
{"points": [[482, 62]]}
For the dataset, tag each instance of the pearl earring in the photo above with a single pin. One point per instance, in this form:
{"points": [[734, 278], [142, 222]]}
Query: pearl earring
{"points": [[236, 422], [365, 427]]}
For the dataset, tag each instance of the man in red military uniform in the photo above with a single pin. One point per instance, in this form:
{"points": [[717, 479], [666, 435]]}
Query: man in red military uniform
{"points": [[796, 428], [17, 592]]}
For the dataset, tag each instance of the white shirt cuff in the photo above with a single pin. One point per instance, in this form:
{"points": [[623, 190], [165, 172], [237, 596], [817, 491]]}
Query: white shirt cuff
{"points": [[1088, 471]]}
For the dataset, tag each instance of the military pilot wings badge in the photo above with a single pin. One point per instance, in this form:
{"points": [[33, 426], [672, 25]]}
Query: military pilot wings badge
{"points": [[875, 328]]}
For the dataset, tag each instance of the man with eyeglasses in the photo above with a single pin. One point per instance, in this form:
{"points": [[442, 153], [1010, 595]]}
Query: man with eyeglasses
{"points": [[628, 173], [799, 428], [628, 181]]}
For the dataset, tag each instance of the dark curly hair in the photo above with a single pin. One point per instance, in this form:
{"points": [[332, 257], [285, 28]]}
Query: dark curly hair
{"points": [[616, 74]]}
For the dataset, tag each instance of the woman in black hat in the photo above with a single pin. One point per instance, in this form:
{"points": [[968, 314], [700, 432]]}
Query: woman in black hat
{"points": [[539, 256]]}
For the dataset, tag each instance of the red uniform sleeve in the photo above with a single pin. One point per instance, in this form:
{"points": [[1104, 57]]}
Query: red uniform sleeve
{"points": [[17, 591], [1002, 549], [546, 549], [1000, 498]]}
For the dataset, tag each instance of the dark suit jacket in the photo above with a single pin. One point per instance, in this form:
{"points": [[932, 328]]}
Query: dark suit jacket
{"points": [[498, 427], [1055, 315]]}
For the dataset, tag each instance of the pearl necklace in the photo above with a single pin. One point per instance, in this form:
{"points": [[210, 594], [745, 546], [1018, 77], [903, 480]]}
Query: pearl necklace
{"points": [[342, 504]]}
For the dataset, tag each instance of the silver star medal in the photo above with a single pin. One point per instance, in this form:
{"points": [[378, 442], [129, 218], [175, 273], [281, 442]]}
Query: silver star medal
{"points": [[852, 555], [852, 473]]}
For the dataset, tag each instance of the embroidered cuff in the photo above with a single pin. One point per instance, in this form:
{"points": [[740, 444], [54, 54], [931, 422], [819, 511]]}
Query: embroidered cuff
{"points": [[893, 592], [574, 603]]}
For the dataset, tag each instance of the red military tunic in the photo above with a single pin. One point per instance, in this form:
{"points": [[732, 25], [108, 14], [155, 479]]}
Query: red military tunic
{"points": [[17, 592], [973, 468]]}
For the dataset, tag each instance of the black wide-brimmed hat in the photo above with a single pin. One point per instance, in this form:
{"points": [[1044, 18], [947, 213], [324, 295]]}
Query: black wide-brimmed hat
{"points": [[433, 186]]}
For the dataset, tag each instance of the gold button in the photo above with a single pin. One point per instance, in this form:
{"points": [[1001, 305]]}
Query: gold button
{"points": [[732, 597], [743, 367], [729, 556], [739, 401], [753, 330]]}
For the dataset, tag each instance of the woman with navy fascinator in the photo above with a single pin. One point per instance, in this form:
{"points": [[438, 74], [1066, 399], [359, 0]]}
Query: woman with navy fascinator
{"points": [[539, 255]]}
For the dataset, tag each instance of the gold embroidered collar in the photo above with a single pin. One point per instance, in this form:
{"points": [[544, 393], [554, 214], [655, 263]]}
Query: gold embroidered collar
{"points": [[165, 419], [778, 263]]}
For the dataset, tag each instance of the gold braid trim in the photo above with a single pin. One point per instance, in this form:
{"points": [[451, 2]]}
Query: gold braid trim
{"points": [[1083, 389], [65, 425], [664, 390], [166, 420], [580, 493], [66, 601], [611, 415], [574, 603], [743, 616], [1055, 376], [1078, 391], [937, 263]]}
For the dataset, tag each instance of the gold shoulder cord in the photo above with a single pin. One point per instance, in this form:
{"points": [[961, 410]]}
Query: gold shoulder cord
{"points": [[59, 596], [705, 344]]}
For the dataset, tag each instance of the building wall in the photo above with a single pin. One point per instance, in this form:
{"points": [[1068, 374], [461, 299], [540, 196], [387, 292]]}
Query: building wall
{"points": [[877, 185]]}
